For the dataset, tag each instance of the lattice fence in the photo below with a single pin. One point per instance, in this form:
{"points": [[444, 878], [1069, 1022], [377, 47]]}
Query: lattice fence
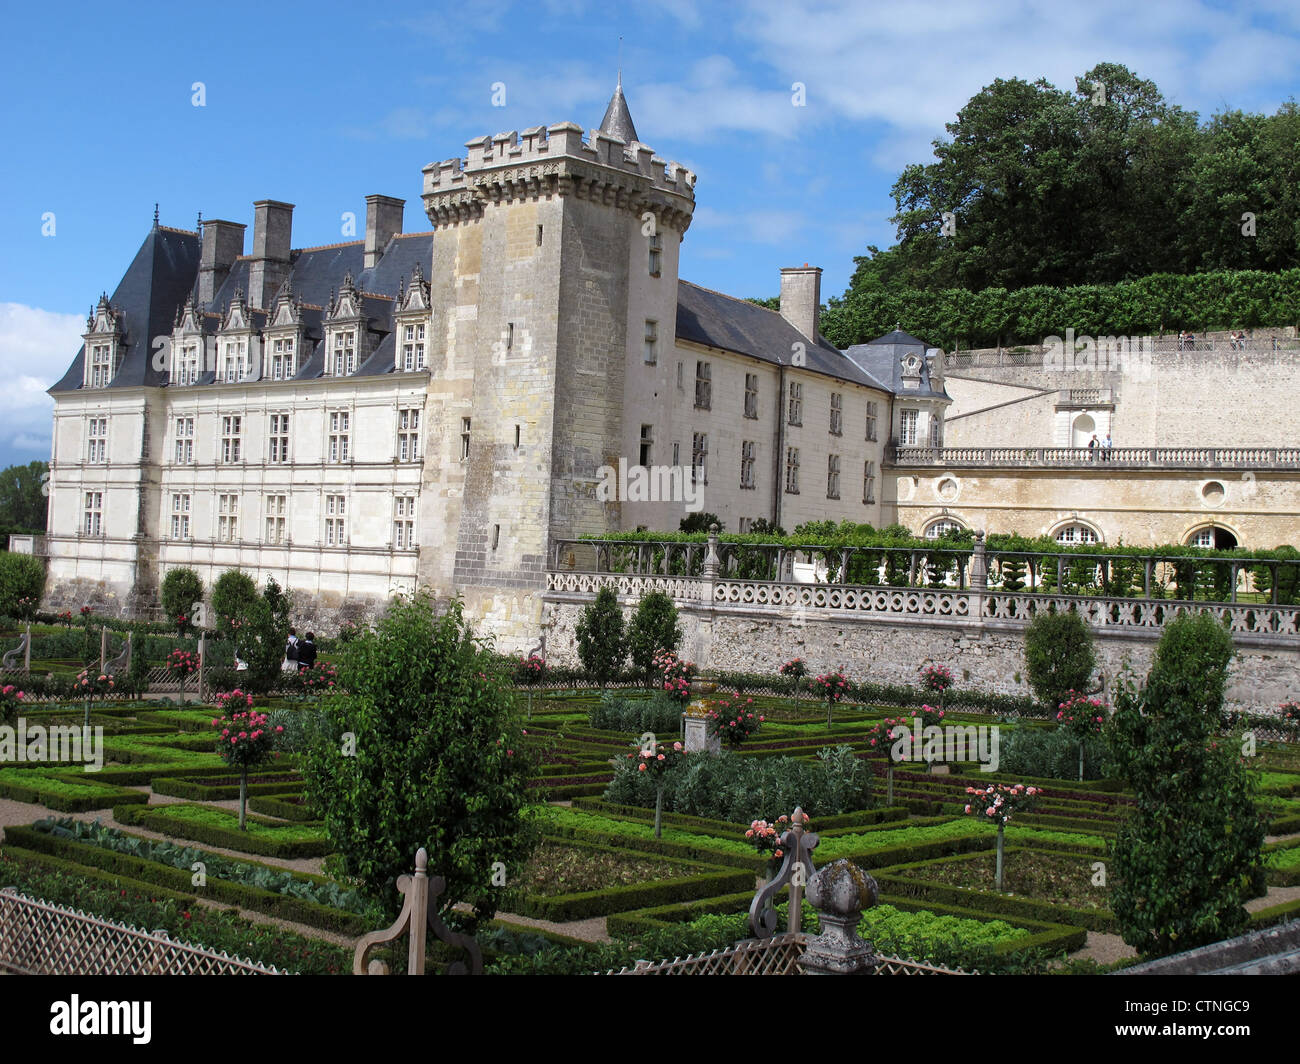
{"points": [[37, 938], [778, 955]]}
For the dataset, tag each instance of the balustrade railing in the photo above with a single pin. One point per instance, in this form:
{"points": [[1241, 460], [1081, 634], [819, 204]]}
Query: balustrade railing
{"points": [[1128, 457]]}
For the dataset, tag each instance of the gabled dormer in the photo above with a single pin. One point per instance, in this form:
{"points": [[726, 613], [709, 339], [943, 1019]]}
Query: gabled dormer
{"points": [[187, 344], [104, 344], [285, 336], [235, 340], [345, 331], [412, 325]]}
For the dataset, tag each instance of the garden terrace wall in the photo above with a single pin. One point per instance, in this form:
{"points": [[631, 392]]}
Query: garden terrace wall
{"points": [[884, 633]]}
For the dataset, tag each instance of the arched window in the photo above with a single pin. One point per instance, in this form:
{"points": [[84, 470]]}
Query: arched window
{"points": [[936, 529], [1212, 536], [1082, 430], [1077, 533]]}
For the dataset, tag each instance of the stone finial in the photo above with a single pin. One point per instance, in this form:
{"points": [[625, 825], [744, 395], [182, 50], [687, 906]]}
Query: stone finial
{"points": [[712, 563], [979, 566], [840, 892]]}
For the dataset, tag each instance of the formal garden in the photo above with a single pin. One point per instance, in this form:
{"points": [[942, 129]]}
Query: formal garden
{"points": [[581, 822]]}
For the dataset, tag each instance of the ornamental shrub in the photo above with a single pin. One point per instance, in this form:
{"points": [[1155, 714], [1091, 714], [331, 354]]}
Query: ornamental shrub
{"points": [[616, 712], [1188, 857], [1052, 753], [21, 577], [233, 596], [654, 628], [181, 591], [602, 644], [1059, 656], [423, 750]]}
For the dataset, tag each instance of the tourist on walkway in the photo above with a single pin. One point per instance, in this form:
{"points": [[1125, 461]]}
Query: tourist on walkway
{"points": [[1105, 448], [307, 652], [1092, 448]]}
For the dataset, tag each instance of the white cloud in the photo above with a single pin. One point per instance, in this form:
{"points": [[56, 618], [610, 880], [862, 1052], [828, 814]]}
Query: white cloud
{"points": [[36, 347]]}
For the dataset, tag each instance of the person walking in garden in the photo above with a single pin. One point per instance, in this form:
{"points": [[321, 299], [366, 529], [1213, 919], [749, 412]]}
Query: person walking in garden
{"points": [[291, 652], [307, 652]]}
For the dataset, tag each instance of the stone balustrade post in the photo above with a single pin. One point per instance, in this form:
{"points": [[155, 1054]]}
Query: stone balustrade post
{"points": [[979, 566]]}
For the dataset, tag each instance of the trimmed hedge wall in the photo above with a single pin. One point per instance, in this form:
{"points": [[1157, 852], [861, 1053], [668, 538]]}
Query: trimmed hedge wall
{"points": [[284, 906], [155, 818]]}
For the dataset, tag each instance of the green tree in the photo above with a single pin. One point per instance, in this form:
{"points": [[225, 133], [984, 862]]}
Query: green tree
{"points": [[181, 589], [24, 496], [1012, 570], [1188, 857], [1059, 656], [436, 758], [22, 577], [700, 522], [602, 644], [233, 596], [654, 628]]}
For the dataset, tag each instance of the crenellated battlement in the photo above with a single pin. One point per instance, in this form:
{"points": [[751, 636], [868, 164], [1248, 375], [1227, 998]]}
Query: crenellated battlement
{"points": [[558, 159]]}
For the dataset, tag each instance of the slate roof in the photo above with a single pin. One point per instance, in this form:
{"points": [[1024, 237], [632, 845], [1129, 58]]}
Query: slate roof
{"points": [[154, 285], [717, 320], [883, 359], [618, 119]]}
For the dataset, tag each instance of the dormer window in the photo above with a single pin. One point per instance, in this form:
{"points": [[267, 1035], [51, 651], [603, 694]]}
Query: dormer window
{"points": [[283, 363], [234, 361], [343, 355], [185, 369], [103, 340], [102, 369], [412, 354]]}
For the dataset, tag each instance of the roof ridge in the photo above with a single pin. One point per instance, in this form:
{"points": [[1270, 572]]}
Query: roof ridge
{"points": [[817, 340], [173, 229], [326, 247]]}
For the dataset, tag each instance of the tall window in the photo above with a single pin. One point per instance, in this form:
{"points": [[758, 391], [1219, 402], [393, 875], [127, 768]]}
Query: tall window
{"points": [[276, 531], [101, 367], [751, 395], [231, 426], [869, 482], [408, 435], [404, 522], [703, 385], [234, 361], [94, 521], [97, 439], [464, 439], [227, 518], [792, 470], [837, 414], [187, 364], [656, 255], [796, 404], [339, 436], [336, 529], [907, 428], [746, 463], [700, 457], [185, 440], [832, 476], [936, 432], [279, 437], [413, 347], [647, 444], [651, 354], [283, 366], [181, 516], [344, 356], [871, 421]]}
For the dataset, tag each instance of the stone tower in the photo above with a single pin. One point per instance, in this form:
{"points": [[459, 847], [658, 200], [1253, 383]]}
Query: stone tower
{"points": [[554, 256]]}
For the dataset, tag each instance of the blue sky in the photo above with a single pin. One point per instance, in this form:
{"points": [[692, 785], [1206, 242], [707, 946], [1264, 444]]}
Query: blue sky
{"points": [[322, 104]]}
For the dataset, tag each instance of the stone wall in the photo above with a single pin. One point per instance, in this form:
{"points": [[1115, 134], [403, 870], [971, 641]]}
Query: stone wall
{"points": [[985, 657]]}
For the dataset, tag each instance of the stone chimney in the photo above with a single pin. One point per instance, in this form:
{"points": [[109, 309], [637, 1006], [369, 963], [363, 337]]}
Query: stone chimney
{"points": [[272, 229], [801, 298], [383, 222], [223, 243]]}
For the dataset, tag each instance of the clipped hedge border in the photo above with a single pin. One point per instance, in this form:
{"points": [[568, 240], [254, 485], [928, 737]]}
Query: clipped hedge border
{"points": [[274, 805], [140, 869], [1277, 914], [195, 791], [899, 880], [71, 868], [580, 906], [153, 818], [51, 791], [1285, 825], [1052, 937], [662, 847]]}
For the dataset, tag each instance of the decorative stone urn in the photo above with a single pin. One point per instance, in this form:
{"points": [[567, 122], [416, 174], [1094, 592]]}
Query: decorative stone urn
{"points": [[839, 892], [696, 719]]}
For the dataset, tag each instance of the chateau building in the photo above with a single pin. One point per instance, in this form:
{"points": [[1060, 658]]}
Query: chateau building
{"points": [[439, 409]]}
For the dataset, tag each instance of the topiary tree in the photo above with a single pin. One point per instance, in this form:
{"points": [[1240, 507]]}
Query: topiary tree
{"points": [[1012, 570], [424, 749], [602, 645], [181, 591], [1188, 857], [654, 628], [233, 596], [22, 583], [1059, 656]]}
